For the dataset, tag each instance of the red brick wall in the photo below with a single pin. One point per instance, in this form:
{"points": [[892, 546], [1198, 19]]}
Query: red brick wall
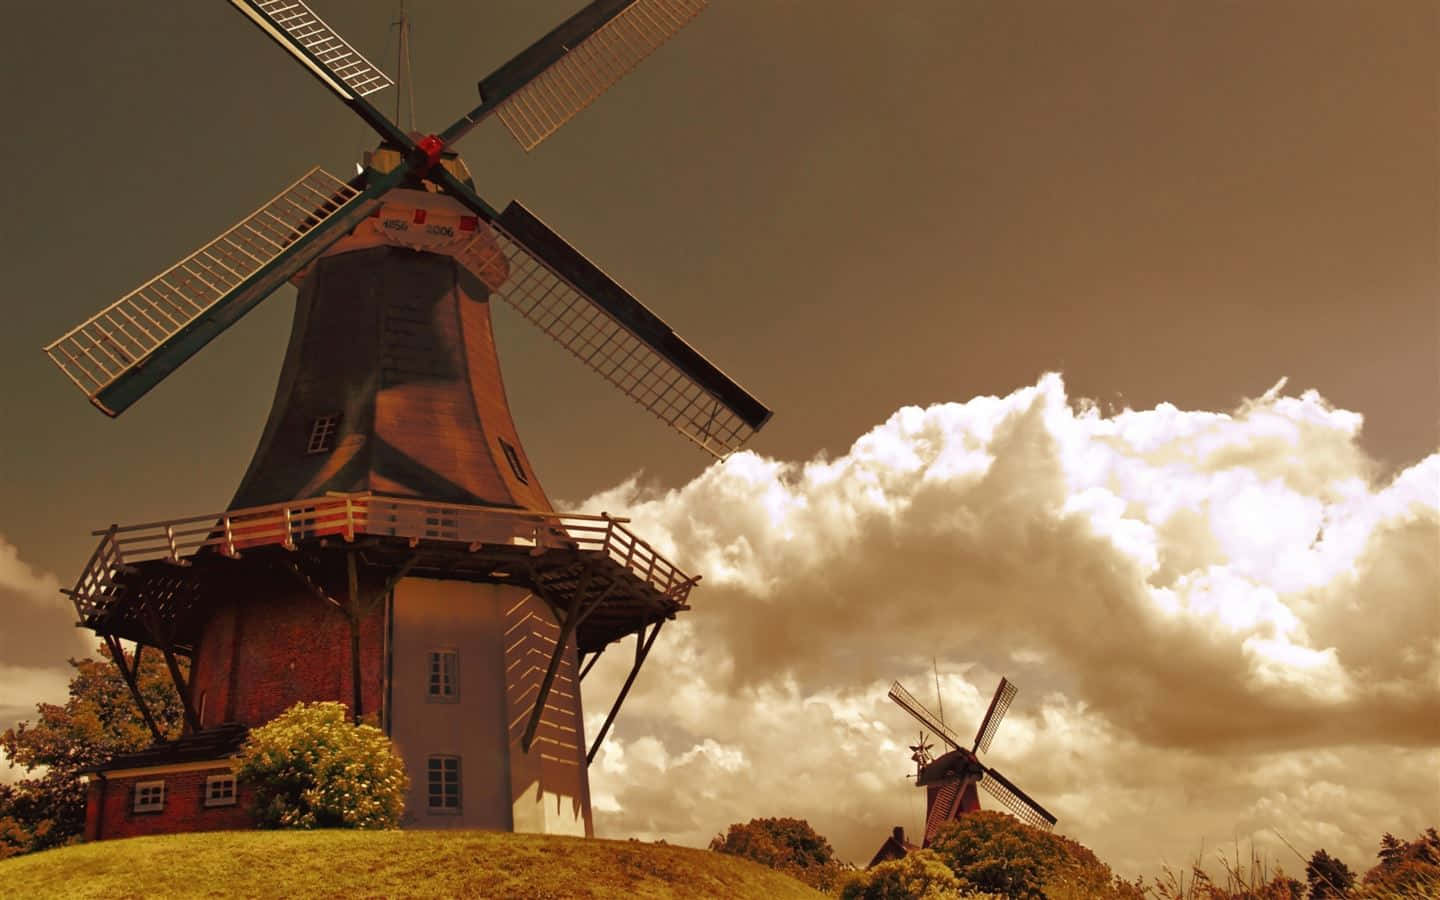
{"points": [[260, 655], [110, 812]]}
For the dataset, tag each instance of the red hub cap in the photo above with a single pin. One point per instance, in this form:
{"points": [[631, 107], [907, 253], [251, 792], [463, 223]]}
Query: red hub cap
{"points": [[431, 146]]}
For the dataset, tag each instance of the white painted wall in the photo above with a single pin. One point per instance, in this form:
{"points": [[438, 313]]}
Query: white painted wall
{"points": [[504, 636]]}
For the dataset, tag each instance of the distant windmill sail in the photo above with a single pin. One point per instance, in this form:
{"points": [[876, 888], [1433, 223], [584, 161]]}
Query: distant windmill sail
{"points": [[1016, 801], [1004, 693], [907, 702]]}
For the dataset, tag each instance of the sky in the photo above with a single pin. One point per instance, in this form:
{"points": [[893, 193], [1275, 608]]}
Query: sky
{"points": [[1102, 339]]}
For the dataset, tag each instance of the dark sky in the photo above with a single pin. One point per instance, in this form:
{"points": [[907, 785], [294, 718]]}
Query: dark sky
{"points": [[848, 206]]}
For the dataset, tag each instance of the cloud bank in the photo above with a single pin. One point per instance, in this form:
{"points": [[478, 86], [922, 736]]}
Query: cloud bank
{"points": [[38, 637], [1221, 624]]}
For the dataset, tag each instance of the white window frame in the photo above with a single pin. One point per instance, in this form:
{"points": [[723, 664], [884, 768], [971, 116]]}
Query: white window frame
{"points": [[430, 771], [148, 797], [440, 655], [323, 431], [212, 782]]}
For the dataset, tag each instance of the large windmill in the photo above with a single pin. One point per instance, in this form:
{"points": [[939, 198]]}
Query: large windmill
{"points": [[389, 544], [950, 779]]}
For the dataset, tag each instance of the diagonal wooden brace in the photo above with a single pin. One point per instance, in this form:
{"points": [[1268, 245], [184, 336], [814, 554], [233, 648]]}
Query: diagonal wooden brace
{"points": [[643, 643], [192, 720], [131, 674], [312, 586], [575, 614], [590, 663]]}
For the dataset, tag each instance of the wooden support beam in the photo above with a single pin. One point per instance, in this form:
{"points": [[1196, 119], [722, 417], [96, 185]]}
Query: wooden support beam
{"points": [[572, 618], [131, 674], [643, 644], [353, 613], [192, 721], [590, 663], [313, 587], [400, 573]]}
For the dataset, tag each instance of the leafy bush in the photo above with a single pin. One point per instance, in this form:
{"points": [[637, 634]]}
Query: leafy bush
{"points": [[916, 876], [997, 853], [310, 767], [787, 845]]}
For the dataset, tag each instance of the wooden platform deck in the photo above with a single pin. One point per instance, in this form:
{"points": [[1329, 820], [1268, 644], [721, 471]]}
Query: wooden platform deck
{"points": [[149, 582]]}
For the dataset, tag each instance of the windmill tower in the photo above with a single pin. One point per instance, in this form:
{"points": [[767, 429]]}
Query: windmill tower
{"points": [[389, 545], [950, 780]]}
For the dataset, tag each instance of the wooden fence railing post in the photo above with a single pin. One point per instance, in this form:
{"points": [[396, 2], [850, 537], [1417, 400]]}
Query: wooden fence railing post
{"points": [[170, 539]]}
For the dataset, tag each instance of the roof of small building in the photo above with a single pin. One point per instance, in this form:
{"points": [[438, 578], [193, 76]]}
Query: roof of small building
{"points": [[896, 846], [212, 743]]}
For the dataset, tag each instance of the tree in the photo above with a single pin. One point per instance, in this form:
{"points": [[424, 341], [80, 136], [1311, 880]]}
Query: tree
{"points": [[98, 721], [311, 767], [1328, 876], [1406, 868], [997, 853], [916, 876], [788, 845]]}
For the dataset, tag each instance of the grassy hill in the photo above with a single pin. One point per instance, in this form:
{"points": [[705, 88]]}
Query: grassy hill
{"points": [[387, 864]]}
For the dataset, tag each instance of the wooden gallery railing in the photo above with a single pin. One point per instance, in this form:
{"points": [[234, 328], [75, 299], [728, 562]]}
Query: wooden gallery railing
{"points": [[348, 515]]}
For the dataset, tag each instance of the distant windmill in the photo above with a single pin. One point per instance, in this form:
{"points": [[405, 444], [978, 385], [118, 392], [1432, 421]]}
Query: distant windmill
{"points": [[950, 780]]}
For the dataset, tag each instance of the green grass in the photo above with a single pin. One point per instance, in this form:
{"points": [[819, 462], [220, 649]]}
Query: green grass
{"points": [[387, 864]]}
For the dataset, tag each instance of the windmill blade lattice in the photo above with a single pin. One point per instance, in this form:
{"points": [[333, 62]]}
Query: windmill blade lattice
{"points": [[1016, 801], [556, 89], [1004, 693], [596, 320], [125, 350], [907, 702], [305, 36], [121, 352]]}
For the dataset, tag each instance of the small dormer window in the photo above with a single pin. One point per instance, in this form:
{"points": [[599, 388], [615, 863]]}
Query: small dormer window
{"points": [[322, 433], [514, 459]]}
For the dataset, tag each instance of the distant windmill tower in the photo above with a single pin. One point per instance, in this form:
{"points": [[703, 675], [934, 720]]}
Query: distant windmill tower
{"points": [[390, 545], [950, 780]]}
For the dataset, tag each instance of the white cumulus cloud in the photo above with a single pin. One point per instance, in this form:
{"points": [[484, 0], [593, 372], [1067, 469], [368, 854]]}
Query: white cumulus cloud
{"points": [[1214, 618]]}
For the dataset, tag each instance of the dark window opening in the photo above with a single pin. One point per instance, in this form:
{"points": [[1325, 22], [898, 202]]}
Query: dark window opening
{"points": [[514, 458]]}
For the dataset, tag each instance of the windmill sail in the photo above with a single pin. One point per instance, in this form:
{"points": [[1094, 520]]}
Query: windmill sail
{"points": [[305, 36], [121, 352], [1004, 693], [1016, 801], [908, 703], [563, 72], [570, 299]]}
